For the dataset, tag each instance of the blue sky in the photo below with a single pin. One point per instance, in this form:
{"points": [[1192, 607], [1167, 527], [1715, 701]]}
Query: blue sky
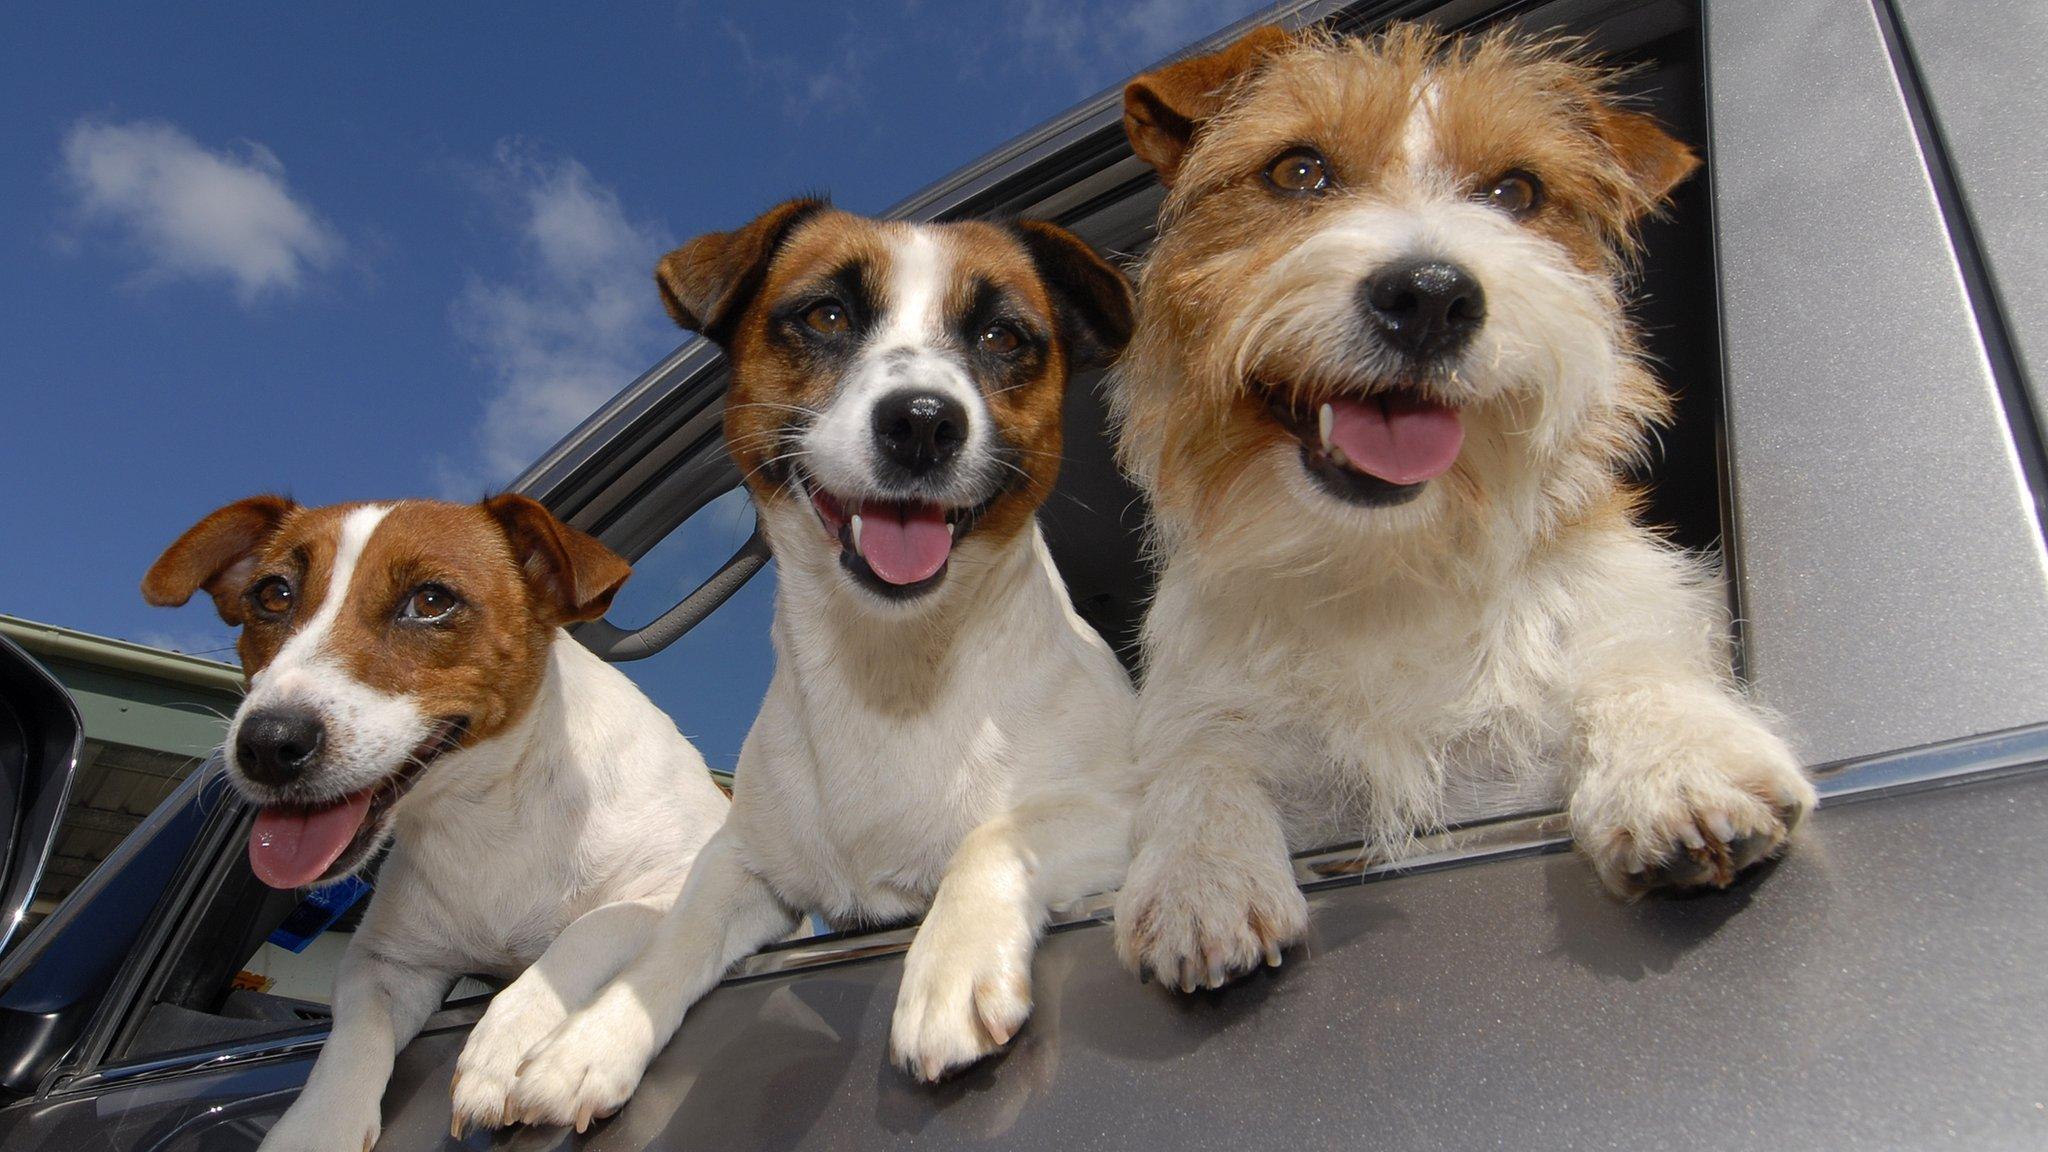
{"points": [[353, 252]]}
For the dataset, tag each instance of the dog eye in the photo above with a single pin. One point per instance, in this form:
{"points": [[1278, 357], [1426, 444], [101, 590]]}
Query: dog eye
{"points": [[1516, 193], [828, 318], [1000, 339], [429, 603], [1300, 172], [272, 598]]}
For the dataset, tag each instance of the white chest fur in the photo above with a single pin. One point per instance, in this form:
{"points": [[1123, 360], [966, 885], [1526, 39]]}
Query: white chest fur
{"points": [[882, 744]]}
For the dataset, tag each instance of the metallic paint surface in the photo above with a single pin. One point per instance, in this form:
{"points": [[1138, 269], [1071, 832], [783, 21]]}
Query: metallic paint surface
{"points": [[1892, 573], [1879, 988], [1982, 63]]}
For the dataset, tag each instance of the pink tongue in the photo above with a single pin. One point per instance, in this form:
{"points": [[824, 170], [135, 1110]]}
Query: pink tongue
{"points": [[904, 543], [1399, 439], [291, 848]]}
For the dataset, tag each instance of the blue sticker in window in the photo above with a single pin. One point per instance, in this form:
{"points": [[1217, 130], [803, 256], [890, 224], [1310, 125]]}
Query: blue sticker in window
{"points": [[318, 912]]}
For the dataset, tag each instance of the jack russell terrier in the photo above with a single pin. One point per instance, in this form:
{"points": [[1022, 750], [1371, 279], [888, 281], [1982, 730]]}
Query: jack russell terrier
{"points": [[1382, 392], [410, 683], [942, 735]]}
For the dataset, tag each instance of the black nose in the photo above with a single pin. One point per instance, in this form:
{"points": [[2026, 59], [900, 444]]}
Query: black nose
{"points": [[919, 431], [275, 745], [1424, 307]]}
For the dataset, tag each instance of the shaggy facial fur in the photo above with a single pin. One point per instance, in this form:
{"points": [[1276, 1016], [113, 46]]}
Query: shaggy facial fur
{"points": [[943, 735], [1382, 391], [410, 684]]}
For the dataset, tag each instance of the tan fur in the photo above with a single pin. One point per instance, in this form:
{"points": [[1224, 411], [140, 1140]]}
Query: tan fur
{"points": [[961, 750], [486, 667], [1318, 669], [543, 843], [770, 381]]}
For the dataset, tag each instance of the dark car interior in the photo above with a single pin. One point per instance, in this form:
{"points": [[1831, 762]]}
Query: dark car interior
{"points": [[1094, 521]]}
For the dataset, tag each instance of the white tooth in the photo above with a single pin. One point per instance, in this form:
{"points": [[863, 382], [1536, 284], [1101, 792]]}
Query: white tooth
{"points": [[952, 529], [1325, 421], [1338, 457], [853, 526]]}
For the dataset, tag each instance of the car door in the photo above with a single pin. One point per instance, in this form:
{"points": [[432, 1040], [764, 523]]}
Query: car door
{"points": [[1857, 433]]}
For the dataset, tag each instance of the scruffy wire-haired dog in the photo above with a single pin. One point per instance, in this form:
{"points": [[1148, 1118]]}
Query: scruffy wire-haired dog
{"points": [[1382, 393]]}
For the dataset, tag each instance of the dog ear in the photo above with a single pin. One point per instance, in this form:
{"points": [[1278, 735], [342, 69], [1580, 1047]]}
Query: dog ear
{"points": [[1654, 160], [707, 283], [1091, 297], [216, 554], [1165, 107], [572, 575]]}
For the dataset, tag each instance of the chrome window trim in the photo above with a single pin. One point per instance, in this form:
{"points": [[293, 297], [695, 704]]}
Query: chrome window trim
{"points": [[562, 478], [1947, 764], [1969, 59], [1011, 178], [1890, 569]]}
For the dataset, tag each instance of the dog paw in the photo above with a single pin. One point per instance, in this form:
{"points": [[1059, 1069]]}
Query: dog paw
{"points": [[519, 1018], [1200, 924], [1695, 821], [309, 1127], [961, 999], [587, 1068]]}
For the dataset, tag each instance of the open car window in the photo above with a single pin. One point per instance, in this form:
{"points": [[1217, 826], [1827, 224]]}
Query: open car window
{"points": [[673, 508]]}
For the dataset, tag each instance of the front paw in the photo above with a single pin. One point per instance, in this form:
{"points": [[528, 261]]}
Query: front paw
{"points": [[1201, 923], [588, 1068], [519, 1018], [1695, 819], [310, 1125], [963, 997]]}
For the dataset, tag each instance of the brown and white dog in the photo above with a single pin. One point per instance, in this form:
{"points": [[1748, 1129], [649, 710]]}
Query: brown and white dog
{"points": [[942, 735], [410, 683], [1382, 392]]}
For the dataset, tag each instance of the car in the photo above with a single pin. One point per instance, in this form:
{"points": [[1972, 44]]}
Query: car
{"points": [[1852, 303]]}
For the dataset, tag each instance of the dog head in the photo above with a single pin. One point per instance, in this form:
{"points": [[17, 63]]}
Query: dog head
{"points": [[896, 391], [1387, 284], [377, 639]]}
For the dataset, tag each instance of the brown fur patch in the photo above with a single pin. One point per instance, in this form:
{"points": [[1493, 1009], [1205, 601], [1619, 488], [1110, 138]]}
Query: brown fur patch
{"points": [[1163, 109], [1190, 424], [1078, 305], [516, 572]]}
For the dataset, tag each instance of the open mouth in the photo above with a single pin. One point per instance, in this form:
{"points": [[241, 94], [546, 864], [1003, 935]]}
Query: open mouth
{"points": [[895, 548], [296, 845], [1377, 450]]}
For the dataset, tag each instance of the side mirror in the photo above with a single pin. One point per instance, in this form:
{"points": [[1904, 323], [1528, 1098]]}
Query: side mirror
{"points": [[41, 738]]}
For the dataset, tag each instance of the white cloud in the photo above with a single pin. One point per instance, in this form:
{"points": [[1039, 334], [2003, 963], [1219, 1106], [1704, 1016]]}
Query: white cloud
{"points": [[834, 85], [193, 213], [1090, 40], [574, 323]]}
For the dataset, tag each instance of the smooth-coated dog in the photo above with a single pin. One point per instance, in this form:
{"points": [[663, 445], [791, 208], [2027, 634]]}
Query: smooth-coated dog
{"points": [[942, 734], [410, 683], [1382, 392]]}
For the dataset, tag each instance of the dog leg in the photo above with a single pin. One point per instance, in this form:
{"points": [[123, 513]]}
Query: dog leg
{"points": [[582, 958], [1680, 784], [1210, 893], [379, 1006], [589, 1066], [966, 986]]}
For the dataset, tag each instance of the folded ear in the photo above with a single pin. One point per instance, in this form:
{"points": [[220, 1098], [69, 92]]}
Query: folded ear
{"points": [[216, 554], [1654, 160], [708, 282], [1091, 297], [573, 577], [1164, 107]]}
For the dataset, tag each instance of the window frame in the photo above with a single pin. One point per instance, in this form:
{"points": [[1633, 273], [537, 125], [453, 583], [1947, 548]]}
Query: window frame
{"points": [[654, 449]]}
